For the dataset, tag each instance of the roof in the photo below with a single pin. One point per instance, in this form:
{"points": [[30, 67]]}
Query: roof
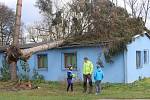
{"points": [[83, 44], [145, 33], [64, 45]]}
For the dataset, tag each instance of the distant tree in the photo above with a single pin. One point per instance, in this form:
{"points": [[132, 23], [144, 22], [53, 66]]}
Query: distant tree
{"points": [[139, 8], [146, 8], [53, 19], [45, 7], [38, 32], [7, 20]]}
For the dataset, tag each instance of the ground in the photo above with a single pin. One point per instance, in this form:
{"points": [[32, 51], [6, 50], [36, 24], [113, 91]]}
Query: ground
{"points": [[57, 91]]}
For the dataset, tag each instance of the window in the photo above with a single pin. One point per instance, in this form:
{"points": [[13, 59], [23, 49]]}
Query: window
{"points": [[42, 61], [146, 56], [138, 59], [70, 58]]}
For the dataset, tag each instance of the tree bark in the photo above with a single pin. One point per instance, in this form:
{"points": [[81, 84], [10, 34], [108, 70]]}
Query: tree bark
{"points": [[14, 54], [13, 71], [13, 63], [26, 53], [17, 23]]}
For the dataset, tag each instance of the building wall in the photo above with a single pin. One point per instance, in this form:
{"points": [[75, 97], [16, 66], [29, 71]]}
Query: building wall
{"points": [[56, 72], [115, 72], [141, 43], [122, 70]]}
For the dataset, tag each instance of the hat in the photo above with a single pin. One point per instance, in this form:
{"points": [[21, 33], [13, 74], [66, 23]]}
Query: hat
{"points": [[70, 67], [85, 58], [100, 64]]}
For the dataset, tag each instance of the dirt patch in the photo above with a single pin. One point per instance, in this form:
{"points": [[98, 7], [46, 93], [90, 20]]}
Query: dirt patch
{"points": [[16, 86]]}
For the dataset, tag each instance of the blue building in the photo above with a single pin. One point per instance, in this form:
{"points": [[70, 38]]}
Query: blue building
{"points": [[127, 67]]}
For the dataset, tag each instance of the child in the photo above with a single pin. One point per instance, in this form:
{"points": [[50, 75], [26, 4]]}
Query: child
{"points": [[69, 78], [98, 77]]}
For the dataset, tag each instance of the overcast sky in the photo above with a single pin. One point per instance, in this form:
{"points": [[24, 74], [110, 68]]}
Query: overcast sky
{"points": [[30, 13]]}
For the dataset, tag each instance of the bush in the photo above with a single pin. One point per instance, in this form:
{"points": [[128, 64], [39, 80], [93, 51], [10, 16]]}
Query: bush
{"points": [[5, 73], [24, 74], [37, 78]]}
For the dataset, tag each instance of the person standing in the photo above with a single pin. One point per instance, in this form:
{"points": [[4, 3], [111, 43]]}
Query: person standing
{"points": [[98, 77], [69, 78], [87, 74]]}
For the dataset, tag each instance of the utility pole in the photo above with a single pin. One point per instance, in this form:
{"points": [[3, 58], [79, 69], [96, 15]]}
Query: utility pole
{"points": [[13, 63]]}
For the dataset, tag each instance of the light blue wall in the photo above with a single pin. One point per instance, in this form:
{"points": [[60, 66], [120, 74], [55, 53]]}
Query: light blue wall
{"points": [[55, 72], [113, 72], [133, 73]]}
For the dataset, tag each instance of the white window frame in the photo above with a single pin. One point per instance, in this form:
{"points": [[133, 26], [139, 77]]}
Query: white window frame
{"points": [[139, 64], [147, 56], [42, 67]]}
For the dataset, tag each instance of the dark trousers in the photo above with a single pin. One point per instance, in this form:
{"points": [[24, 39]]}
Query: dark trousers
{"points": [[98, 86], [70, 84], [87, 78]]}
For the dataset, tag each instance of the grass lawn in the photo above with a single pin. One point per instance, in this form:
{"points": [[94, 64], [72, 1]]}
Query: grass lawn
{"points": [[57, 91]]}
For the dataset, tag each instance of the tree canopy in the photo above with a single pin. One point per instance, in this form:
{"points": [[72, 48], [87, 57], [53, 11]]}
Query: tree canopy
{"points": [[7, 20], [99, 20]]}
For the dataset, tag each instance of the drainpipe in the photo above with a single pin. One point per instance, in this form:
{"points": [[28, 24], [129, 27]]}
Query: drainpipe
{"points": [[125, 67]]}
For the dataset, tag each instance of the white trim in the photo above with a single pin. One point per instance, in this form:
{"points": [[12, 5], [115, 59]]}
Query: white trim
{"points": [[139, 35]]}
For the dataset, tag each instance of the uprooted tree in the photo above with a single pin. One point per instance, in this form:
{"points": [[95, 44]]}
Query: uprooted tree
{"points": [[14, 53], [99, 21]]}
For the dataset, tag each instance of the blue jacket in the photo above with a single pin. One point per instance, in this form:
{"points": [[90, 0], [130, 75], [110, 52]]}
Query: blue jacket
{"points": [[69, 74], [98, 74]]}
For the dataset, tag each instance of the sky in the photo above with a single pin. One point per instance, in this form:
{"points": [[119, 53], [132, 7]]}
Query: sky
{"points": [[30, 13]]}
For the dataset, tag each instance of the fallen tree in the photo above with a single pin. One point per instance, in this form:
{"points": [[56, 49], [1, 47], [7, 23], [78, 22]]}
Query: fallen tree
{"points": [[14, 53]]}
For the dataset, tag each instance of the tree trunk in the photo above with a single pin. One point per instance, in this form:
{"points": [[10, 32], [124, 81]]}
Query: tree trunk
{"points": [[13, 71], [14, 54], [17, 23], [28, 52], [13, 61]]}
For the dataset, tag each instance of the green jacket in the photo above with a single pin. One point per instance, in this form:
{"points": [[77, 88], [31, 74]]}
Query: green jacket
{"points": [[87, 67]]}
